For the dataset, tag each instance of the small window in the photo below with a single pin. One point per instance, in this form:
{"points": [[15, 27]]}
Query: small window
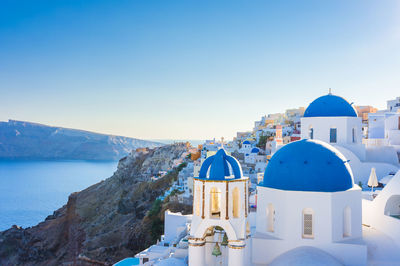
{"points": [[197, 203], [398, 125], [347, 222], [215, 202], [270, 217], [311, 133], [333, 137], [308, 223], [235, 202], [354, 135]]}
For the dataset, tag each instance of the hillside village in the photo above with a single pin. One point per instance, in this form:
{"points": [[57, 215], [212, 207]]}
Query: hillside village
{"points": [[316, 185], [366, 138]]}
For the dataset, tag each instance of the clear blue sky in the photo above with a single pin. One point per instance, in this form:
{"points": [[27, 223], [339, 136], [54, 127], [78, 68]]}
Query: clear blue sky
{"points": [[190, 69]]}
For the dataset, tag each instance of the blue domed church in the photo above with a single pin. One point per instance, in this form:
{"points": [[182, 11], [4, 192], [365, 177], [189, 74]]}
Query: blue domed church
{"points": [[308, 199], [334, 120]]}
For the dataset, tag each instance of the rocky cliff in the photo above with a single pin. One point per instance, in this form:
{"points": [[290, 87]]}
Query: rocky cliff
{"points": [[27, 140], [104, 223]]}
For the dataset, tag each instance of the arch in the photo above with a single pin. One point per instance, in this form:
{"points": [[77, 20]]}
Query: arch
{"points": [[236, 169], [197, 200], [347, 222], [204, 226], [392, 207], [215, 203], [270, 217], [236, 203], [308, 223], [205, 166]]}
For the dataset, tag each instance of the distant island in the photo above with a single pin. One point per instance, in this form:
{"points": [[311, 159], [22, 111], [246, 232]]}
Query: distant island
{"points": [[26, 140]]}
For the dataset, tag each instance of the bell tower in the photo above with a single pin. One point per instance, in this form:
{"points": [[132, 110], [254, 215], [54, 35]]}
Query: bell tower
{"points": [[219, 228]]}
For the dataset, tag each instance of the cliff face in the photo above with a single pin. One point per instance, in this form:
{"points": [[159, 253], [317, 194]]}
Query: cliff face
{"points": [[105, 222], [35, 141]]}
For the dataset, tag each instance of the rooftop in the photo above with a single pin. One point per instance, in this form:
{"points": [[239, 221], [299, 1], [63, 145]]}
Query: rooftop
{"points": [[330, 106], [308, 165]]}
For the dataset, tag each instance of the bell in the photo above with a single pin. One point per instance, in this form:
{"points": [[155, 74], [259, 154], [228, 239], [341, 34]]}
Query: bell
{"points": [[224, 240], [216, 251]]}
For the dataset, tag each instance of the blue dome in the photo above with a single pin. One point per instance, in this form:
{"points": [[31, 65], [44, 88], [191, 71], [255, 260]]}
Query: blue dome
{"points": [[330, 105], [219, 168], [308, 165], [246, 142], [255, 150]]}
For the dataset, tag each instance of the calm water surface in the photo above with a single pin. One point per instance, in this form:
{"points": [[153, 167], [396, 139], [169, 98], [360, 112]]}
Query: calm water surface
{"points": [[32, 190]]}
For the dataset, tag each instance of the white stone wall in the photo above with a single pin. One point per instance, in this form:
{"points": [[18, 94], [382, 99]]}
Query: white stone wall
{"points": [[328, 211], [322, 126], [392, 131], [344, 126], [175, 224]]}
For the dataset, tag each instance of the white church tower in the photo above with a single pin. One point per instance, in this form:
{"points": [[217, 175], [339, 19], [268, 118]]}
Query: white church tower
{"points": [[219, 233]]}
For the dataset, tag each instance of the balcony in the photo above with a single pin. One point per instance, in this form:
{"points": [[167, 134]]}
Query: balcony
{"points": [[374, 142]]}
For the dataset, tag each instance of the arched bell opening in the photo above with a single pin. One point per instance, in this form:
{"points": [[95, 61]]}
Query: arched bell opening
{"points": [[216, 243]]}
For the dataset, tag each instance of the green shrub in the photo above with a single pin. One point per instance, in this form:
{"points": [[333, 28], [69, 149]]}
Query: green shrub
{"points": [[155, 208]]}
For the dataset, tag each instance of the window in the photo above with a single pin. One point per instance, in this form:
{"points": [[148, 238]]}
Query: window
{"points": [[333, 137], [270, 217], [347, 222], [354, 135], [197, 203], [215, 202], [308, 223], [311, 133], [235, 202], [398, 125]]}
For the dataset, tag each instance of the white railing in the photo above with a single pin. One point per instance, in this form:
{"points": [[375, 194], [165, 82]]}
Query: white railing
{"points": [[374, 142]]}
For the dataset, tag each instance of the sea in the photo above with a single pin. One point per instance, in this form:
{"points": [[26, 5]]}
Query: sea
{"points": [[30, 190]]}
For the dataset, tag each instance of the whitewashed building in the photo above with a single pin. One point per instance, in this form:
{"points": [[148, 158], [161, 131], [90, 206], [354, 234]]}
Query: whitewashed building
{"points": [[308, 199], [393, 105], [246, 147], [334, 120]]}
